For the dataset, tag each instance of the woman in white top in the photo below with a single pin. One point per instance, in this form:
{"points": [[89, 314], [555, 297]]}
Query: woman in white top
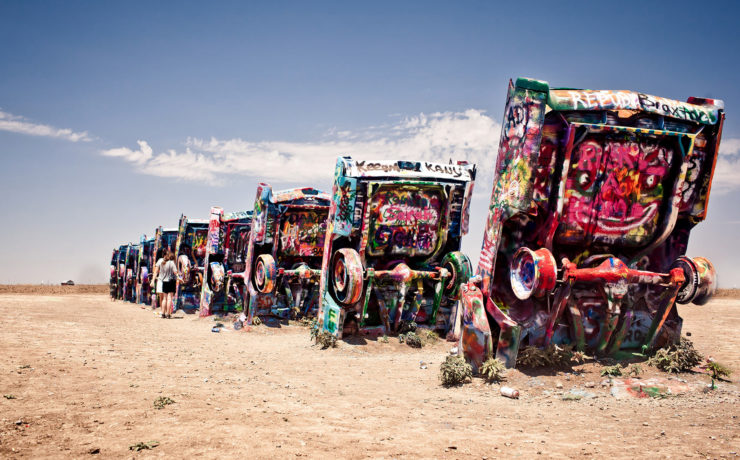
{"points": [[168, 275], [156, 279]]}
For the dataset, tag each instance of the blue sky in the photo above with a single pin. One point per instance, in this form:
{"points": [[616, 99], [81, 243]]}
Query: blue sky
{"points": [[93, 93]]}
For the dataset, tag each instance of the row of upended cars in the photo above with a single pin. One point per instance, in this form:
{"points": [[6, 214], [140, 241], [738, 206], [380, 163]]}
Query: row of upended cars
{"points": [[594, 195]]}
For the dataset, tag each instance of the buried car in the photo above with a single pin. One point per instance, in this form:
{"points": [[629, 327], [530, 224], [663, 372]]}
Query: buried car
{"points": [[144, 270], [190, 251], [595, 194], [283, 264], [165, 239], [120, 275], [130, 282], [113, 279], [393, 253], [226, 248]]}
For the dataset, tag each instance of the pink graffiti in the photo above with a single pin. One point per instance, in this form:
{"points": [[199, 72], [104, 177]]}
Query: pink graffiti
{"points": [[614, 188], [406, 215]]}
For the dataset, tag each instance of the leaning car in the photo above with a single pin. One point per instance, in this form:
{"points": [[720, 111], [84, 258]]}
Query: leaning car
{"points": [[392, 253], [165, 239], [121, 254], [283, 264], [131, 279], [144, 270], [595, 195], [113, 279], [226, 250], [190, 251]]}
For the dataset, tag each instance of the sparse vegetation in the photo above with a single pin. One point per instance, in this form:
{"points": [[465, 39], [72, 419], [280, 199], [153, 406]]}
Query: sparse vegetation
{"points": [[427, 336], [493, 370], [314, 329], [326, 340], [418, 338], [384, 339], [455, 370], [635, 370], [143, 446], [611, 371], [163, 401], [680, 357], [9, 396], [553, 355], [407, 326], [411, 339], [718, 372], [578, 357]]}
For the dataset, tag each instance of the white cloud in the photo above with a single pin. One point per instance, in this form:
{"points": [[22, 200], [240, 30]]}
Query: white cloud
{"points": [[140, 156], [727, 171], [16, 124], [729, 147], [470, 135]]}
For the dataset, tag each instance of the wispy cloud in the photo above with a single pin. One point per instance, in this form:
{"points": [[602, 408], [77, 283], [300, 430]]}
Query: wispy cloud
{"points": [[18, 124], [140, 156], [727, 171], [471, 135]]}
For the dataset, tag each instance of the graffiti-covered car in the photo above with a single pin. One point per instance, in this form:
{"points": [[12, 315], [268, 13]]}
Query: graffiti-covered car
{"points": [[283, 264], [130, 282], [226, 250], [121, 255], [393, 252], [113, 279], [190, 251], [164, 239], [144, 270], [595, 194]]}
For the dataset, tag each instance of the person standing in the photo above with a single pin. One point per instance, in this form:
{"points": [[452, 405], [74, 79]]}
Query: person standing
{"points": [[168, 274], [156, 278]]}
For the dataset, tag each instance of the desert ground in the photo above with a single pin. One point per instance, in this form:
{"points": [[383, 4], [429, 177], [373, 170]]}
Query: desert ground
{"points": [[79, 375]]}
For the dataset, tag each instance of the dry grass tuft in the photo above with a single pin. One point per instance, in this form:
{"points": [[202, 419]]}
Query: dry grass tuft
{"points": [[680, 357], [493, 370], [455, 370], [553, 355]]}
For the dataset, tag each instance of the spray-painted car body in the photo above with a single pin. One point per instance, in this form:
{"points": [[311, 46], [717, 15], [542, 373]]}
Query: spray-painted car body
{"points": [[130, 281], [190, 251], [164, 239], [113, 280], [144, 271], [394, 251], [283, 263], [226, 251], [595, 193], [121, 255]]}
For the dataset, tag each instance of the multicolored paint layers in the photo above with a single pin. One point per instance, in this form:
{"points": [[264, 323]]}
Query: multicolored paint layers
{"points": [[190, 253], [594, 197], [226, 248], [393, 257], [283, 260]]}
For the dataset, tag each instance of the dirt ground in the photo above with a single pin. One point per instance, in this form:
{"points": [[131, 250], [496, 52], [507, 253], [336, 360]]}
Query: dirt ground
{"points": [[80, 375], [35, 289]]}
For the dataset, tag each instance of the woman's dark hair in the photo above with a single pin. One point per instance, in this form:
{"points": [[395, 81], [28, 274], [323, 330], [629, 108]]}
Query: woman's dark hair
{"points": [[169, 256]]}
